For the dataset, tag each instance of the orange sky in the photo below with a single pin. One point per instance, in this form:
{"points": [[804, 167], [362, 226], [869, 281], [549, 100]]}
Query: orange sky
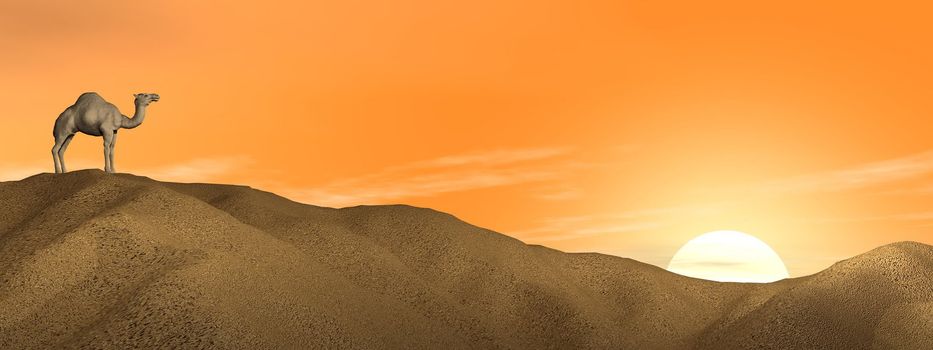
{"points": [[613, 126]]}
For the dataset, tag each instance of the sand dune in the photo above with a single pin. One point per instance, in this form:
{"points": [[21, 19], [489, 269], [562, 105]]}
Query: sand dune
{"points": [[91, 260]]}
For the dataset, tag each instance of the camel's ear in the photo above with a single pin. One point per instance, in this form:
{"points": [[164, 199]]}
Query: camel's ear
{"points": [[135, 95]]}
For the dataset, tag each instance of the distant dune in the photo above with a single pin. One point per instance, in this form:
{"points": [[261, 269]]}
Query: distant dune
{"points": [[91, 260]]}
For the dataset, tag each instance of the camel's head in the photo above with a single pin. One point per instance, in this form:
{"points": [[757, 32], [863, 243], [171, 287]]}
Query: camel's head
{"points": [[144, 99]]}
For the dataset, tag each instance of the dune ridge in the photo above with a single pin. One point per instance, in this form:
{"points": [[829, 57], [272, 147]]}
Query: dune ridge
{"points": [[94, 260]]}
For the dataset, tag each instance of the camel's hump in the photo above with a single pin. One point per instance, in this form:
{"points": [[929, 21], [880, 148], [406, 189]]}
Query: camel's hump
{"points": [[89, 97]]}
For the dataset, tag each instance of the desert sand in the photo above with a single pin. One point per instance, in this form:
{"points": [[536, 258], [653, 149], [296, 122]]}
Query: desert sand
{"points": [[94, 260]]}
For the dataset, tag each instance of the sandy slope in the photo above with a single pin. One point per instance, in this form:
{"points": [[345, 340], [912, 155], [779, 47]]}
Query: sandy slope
{"points": [[95, 260]]}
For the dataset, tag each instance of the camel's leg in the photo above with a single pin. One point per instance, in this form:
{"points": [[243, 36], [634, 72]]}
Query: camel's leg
{"points": [[113, 144], [108, 149], [56, 157], [61, 152]]}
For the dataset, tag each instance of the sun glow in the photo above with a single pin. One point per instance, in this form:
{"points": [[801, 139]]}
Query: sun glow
{"points": [[728, 256]]}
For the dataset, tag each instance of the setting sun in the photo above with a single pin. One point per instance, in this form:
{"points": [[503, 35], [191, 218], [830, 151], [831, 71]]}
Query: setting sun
{"points": [[728, 256]]}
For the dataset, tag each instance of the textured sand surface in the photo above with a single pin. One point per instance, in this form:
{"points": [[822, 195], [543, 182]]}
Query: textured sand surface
{"points": [[92, 260]]}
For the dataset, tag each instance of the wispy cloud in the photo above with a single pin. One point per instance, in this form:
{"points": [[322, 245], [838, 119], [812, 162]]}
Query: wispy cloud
{"points": [[197, 170], [907, 216], [442, 175], [921, 190], [572, 227], [556, 230], [860, 176], [559, 194], [497, 157], [914, 216]]}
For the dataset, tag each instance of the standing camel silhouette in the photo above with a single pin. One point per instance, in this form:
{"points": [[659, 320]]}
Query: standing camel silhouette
{"points": [[91, 115]]}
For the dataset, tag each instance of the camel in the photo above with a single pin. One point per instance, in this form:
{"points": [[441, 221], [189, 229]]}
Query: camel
{"points": [[91, 115]]}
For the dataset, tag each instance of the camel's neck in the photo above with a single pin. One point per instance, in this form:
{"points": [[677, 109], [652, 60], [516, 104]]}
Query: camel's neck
{"points": [[129, 123]]}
